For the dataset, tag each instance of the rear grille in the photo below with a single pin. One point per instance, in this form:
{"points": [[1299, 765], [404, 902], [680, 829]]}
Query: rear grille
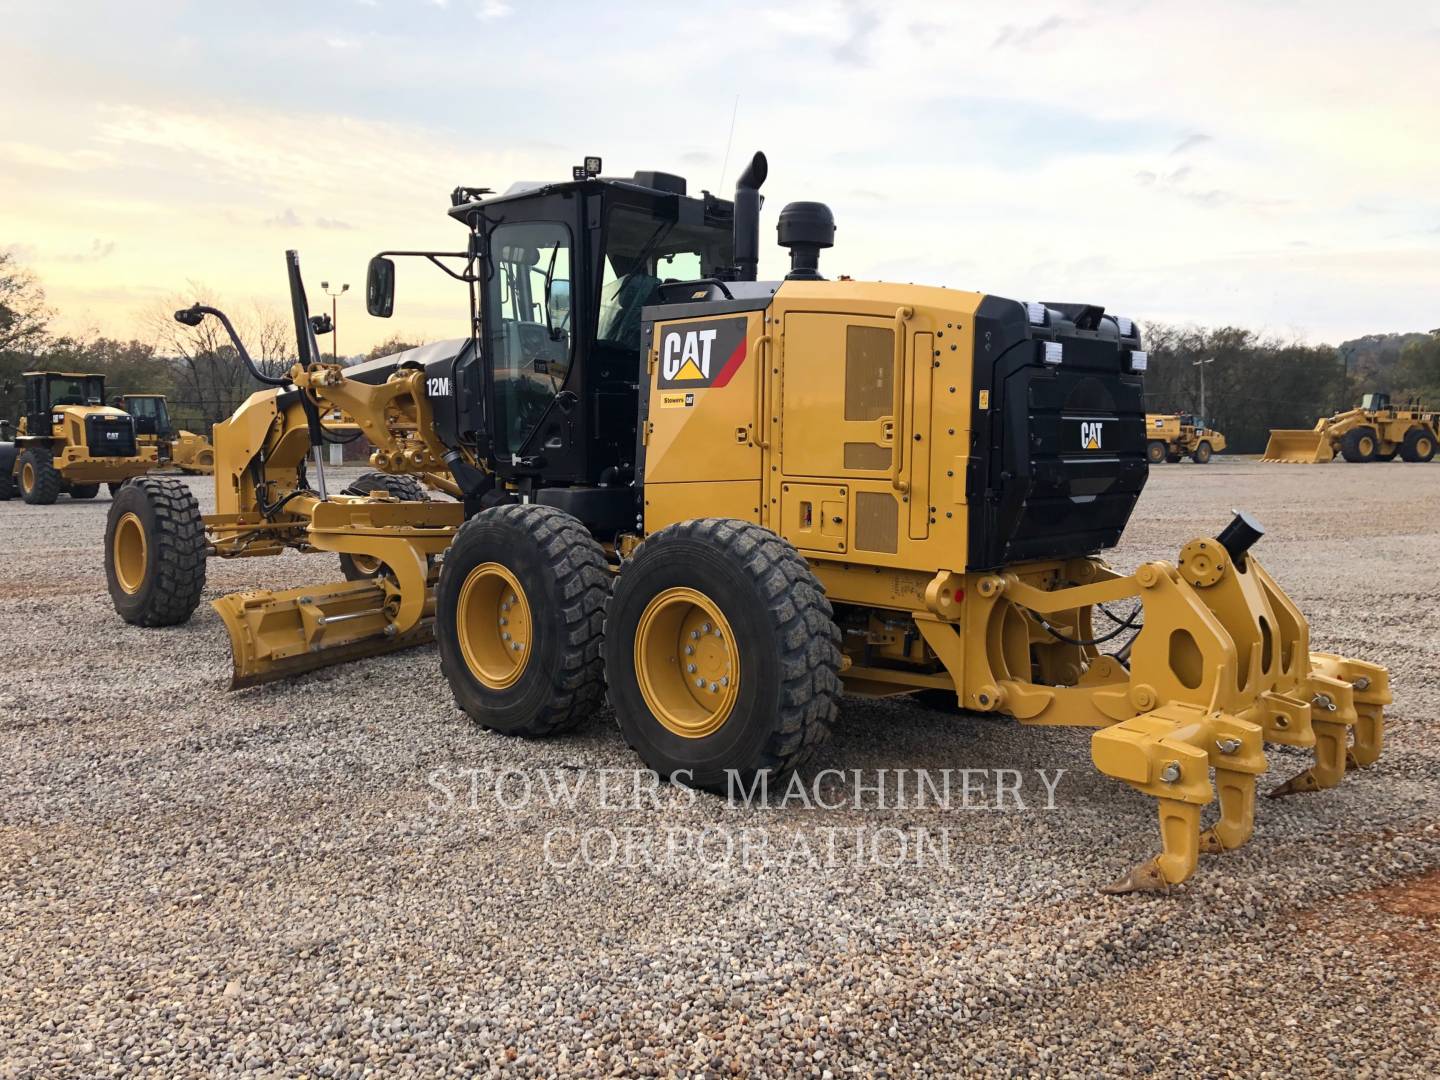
{"points": [[110, 436]]}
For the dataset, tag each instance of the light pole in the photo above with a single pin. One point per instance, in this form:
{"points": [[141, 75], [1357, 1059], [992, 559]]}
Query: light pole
{"points": [[1204, 416], [335, 318]]}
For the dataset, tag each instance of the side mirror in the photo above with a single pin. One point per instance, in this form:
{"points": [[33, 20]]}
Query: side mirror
{"points": [[380, 287]]}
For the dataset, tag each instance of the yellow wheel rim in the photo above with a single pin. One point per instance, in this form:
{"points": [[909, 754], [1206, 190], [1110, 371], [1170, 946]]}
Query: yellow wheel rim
{"points": [[1367, 446], [27, 477], [493, 621], [130, 553], [368, 565], [1423, 447], [687, 663]]}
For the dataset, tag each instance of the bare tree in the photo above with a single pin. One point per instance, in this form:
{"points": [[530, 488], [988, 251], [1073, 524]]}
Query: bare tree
{"points": [[24, 318], [209, 374]]}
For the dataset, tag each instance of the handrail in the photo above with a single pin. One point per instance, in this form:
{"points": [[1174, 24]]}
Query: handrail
{"points": [[761, 343], [897, 405]]}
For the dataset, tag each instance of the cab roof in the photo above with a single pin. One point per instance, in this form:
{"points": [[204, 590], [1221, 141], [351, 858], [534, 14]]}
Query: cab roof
{"points": [[63, 374]]}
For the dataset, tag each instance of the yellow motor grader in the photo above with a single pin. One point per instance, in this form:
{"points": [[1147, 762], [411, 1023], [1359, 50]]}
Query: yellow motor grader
{"points": [[1377, 430], [732, 500], [70, 442]]}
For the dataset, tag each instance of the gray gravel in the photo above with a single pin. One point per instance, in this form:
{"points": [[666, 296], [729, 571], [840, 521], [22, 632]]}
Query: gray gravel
{"points": [[269, 883]]}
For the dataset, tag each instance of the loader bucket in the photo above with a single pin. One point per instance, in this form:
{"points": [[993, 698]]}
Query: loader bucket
{"points": [[1299, 446]]}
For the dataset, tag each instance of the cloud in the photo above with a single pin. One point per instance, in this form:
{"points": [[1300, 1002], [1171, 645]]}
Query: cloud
{"points": [[1026, 37], [1190, 141], [99, 249], [854, 48], [287, 219]]}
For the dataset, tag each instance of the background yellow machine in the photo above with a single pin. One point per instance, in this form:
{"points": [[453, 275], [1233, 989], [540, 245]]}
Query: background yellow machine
{"points": [[729, 501], [1375, 431], [184, 450], [1172, 436], [69, 441]]}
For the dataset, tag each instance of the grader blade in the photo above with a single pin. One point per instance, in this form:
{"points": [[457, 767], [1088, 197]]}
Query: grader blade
{"points": [[1298, 446], [275, 635]]}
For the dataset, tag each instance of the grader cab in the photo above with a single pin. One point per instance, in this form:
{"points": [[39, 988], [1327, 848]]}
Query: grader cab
{"points": [[70, 442], [732, 500]]}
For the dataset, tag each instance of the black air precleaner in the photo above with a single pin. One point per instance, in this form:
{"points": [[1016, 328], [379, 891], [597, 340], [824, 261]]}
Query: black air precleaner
{"points": [[805, 228]]}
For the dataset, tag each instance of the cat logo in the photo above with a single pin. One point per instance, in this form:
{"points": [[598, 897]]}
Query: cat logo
{"points": [[699, 354], [1090, 431]]}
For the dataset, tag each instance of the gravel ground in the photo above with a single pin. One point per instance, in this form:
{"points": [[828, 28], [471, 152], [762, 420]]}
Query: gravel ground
{"points": [[273, 882]]}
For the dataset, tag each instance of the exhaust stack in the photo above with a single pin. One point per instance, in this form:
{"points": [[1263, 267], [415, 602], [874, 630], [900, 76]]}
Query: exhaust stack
{"points": [[748, 201]]}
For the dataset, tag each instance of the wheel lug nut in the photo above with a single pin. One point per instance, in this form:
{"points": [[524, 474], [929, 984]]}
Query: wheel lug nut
{"points": [[505, 636], [689, 650], [700, 682], [714, 687], [690, 668]]}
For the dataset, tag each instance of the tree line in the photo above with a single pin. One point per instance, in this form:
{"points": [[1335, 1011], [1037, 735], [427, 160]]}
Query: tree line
{"points": [[1256, 381], [196, 368]]}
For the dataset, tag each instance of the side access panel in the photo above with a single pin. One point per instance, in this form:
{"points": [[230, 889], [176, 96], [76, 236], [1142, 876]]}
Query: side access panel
{"points": [[700, 439]]}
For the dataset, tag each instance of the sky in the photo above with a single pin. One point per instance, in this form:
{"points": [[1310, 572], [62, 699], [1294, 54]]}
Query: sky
{"points": [[1266, 164]]}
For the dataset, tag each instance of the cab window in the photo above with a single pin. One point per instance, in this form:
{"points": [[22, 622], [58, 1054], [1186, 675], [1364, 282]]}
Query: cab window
{"points": [[643, 252], [529, 326]]}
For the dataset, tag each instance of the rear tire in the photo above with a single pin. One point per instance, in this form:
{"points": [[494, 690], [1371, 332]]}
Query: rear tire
{"points": [[1155, 452], [404, 488], [155, 552], [40, 481], [771, 629], [84, 491], [1202, 454], [531, 576], [7, 487], [1419, 445], [1359, 445]]}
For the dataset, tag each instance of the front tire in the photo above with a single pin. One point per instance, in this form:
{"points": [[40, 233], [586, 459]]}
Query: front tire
{"points": [[1359, 445], [84, 491], [1155, 452], [40, 481], [155, 552], [1202, 454], [520, 613], [740, 606]]}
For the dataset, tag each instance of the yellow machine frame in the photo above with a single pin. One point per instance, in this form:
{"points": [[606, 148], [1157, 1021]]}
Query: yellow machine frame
{"points": [[1222, 665]]}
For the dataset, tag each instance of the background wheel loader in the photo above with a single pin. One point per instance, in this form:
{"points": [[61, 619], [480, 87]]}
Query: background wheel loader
{"points": [[185, 450], [1375, 431], [731, 500], [70, 442], [1172, 436]]}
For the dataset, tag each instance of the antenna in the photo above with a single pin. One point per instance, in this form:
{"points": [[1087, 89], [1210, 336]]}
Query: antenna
{"points": [[725, 163]]}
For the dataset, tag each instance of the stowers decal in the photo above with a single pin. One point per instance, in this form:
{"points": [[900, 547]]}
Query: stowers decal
{"points": [[694, 355]]}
